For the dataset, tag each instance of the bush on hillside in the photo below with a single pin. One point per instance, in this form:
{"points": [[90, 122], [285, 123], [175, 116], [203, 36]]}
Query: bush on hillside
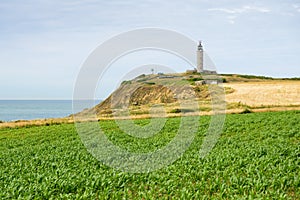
{"points": [[246, 111]]}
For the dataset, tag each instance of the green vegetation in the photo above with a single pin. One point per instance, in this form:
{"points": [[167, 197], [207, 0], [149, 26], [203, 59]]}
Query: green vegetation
{"points": [[236, 105], [254, 77], [195, 79], [175, 110], [126, 82], [246, 111], [228, 90], [141, 76], [257, 157], [247, 76], [150, 83], [292, 79], [202, 92], [182, 110], [243, 77]]}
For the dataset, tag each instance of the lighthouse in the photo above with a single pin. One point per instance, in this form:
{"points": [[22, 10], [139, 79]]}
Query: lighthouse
{"points": [[200, 58]]}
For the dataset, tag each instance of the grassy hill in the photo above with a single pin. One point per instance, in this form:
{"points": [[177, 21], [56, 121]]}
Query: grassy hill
{"points": [[243, 92]]}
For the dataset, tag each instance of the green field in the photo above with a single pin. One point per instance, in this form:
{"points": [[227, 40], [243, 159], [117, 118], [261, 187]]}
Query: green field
{"points": [[256, 157]]}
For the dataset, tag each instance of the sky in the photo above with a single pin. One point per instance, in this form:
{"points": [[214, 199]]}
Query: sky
{"points": [[43, 44]]}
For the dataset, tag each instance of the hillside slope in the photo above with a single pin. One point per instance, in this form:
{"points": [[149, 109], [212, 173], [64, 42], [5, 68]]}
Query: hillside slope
{"points": [[243, 92]]}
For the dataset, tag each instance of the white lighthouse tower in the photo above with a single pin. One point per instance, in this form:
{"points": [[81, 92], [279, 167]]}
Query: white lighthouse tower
{"points": [[200, 58]]}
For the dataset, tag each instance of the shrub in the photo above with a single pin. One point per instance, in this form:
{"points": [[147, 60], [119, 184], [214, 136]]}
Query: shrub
{"points": [[150, 83], [126, 82], [195, 79], [175, 110], [246, 111], [141, 76], [178, 110], [254, 77]]}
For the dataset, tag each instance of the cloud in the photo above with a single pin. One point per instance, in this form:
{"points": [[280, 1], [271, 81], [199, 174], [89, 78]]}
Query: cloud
{"points": [[241, 10], [297, 7], [233, 12]]}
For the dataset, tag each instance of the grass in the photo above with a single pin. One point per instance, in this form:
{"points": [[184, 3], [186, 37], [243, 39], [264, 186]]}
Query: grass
{"points": [[254, 77], [257, 157], [276, 92]]}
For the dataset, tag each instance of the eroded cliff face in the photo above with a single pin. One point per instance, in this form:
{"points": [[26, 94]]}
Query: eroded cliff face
{"points": [[143, 92], [144, 95]]}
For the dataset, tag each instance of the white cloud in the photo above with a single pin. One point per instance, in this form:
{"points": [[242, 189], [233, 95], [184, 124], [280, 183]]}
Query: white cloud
{"points": [[234, 12], [241, 10], [297, 7]]}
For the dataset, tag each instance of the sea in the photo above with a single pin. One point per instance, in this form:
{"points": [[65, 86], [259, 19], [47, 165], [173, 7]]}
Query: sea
{"points": [[11, 110]]}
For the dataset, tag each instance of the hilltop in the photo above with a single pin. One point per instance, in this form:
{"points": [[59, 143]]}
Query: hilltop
{"points": [[244, 93]]}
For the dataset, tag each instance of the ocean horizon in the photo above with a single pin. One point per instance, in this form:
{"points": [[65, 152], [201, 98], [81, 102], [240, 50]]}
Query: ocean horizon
{"points": [[11, 110]]}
